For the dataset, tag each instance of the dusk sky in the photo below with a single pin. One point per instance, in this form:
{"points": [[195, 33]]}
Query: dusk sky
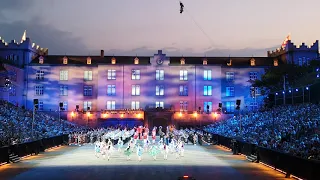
{"points": [[130, 27]]}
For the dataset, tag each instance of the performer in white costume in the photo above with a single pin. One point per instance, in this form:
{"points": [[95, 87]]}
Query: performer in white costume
{"points": [[139, 152], [120, 144], [154, 132], [165, 151], [97, 149]]}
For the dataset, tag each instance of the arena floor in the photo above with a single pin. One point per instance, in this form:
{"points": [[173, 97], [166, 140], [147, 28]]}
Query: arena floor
{"points": [[74, 162]]}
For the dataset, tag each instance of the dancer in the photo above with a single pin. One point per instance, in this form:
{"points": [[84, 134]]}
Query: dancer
{"points": [[154, 151], [165, 151], [128, 151], [97, 148], [103, 149], [120, 144], [154, 132], [139, 152], [145, 137], [109, 150]]}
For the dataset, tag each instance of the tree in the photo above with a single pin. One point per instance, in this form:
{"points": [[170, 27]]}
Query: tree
{"points": [[288, 75]]}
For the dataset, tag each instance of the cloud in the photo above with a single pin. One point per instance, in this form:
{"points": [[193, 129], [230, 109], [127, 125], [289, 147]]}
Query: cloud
{"points": [[9, 5], [173, 51], [44, 35]]}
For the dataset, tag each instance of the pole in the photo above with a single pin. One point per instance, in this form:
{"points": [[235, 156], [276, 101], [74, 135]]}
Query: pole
{"points": [[33, 112], [309, 93], [303, 95], [240, 122], [292, 91], [284, 89]]}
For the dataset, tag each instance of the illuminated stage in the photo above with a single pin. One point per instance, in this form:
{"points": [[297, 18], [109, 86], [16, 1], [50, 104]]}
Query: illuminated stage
{"points": [[73, 162]]}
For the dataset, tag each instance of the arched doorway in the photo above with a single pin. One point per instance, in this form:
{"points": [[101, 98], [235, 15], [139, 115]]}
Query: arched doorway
{"points": [[160, 121], [129, 122]]}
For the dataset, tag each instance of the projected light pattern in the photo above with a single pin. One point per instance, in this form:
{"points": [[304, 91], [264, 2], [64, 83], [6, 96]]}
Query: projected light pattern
{"points": [[185, 84]]}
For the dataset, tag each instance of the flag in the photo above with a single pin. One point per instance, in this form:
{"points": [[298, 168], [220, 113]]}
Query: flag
{"points": [[286, 41]]}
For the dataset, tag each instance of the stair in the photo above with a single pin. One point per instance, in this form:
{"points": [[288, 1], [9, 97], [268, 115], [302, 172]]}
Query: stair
{"points": [[252, 158], [14, 158]]}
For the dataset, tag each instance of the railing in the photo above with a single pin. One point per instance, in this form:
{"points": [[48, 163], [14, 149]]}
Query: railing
{"points": [[292, 165], [29, 148]]}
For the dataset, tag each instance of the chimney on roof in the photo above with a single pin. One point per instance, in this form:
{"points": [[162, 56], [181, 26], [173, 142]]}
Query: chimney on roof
{"points": [[102, 53]]}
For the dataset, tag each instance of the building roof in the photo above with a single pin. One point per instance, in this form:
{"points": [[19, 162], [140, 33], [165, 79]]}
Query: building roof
{"points": [[82, 60], [145, 60], [224, 61]]}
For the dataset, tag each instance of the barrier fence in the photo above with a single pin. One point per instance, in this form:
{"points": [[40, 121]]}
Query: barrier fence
{"points": [[292, 165], [29, 148]]}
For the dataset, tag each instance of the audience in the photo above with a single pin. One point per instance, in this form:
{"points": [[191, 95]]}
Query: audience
{"points": [[16, 125], [290, 129]]}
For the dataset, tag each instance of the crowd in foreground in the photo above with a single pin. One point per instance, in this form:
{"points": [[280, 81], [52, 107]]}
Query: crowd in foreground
{"points": [[16, 125], [292, 129]]}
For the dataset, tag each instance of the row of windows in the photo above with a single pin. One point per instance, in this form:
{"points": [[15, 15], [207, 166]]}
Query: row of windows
{"points": [[135, 90], [111, 105], [135, 75]]}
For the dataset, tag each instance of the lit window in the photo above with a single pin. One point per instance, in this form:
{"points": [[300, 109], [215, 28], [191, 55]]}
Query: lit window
{"points": [[207, 107], [63, 75], [159, 104], [135, 74], [135, 105], [253, 76], [111, 74], [183, 90], [88, 60], [40, 106], [135, 90], [207, 90], [230, 76], [183, 75], [229, 63], [63, 90], [113, 60], [40, 75], [111, 90], [39, 90], [207, 75], [87, 90], [205, 62], [230, 106], [136, 60], [159, 90], [159, 75], [111, 105], [252, 62], [41, 60], [65, 60], [183, 105], [64, 106], [229, 91], [182, 61], [87, 105], [88, 75]]}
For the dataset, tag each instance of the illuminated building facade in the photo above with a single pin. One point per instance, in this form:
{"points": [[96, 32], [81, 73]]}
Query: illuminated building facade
{"points": [[178, 84]]}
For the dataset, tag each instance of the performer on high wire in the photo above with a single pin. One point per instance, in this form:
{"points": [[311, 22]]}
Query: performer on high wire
{"points": [[181, 7]]}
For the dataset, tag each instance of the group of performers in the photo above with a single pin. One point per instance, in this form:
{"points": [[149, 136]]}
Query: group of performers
{"points": [[141, 144]]}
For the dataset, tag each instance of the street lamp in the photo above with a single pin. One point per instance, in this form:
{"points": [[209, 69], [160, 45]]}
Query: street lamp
{"points": [[215, 115], [195, 114], [72, 115], [88, 115]]}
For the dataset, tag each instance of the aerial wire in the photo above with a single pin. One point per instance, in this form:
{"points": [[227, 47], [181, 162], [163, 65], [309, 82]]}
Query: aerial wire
{"points": [[213, 46]]}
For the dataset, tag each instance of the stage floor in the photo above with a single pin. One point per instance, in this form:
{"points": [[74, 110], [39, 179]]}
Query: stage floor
{"points": [[74, 162]]}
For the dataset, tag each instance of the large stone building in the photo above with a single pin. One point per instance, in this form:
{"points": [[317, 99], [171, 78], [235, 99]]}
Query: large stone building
{"points": [[191, 88]]}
